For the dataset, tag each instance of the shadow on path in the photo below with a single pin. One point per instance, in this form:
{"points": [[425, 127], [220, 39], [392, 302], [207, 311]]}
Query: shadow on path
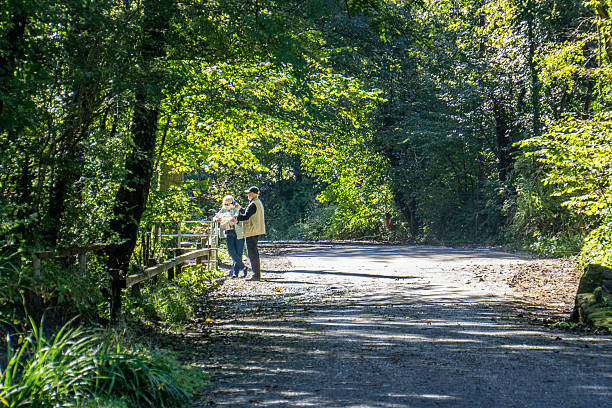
{"points": [[395, 343]]}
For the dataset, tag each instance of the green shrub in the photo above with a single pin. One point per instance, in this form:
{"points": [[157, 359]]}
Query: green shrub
{"points": [[14, 287], [598, 246], [198, 280], [60, 288], [70, 293], [104, 402], [44, 372], [576, 161], [143, 377], [563, 245], [173, 304]]}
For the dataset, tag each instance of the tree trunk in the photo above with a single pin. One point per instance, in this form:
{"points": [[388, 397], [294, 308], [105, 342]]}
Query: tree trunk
{"points": [[8, 58], [504, 158], [133, 192]]}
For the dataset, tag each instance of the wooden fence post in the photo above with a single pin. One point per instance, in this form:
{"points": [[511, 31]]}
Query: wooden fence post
{"points": [[171, 274], [36, 263], [213, 244], [116, 285], [83, 263], [34, 301], [179, 238], [200, 245], [158, 235]]}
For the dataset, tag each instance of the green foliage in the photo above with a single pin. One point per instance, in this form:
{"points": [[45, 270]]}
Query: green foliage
{"points": [[317, 224], [257, 121], [47, 372], [562, 246], [339, 111], [104, 402], [143, 377], [14, 288], [77, 367], [598, 246], [64, 289], [171, 205], [172, 303], [540, 222], [578, 167], [579, 161], [61, 288]]}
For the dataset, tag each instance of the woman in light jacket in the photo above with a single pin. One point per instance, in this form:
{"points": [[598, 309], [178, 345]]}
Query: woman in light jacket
{"points": [[233, 233]]}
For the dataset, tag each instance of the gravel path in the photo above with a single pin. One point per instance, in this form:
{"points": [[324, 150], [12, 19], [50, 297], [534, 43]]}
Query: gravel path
{"points": [[392, 326]]}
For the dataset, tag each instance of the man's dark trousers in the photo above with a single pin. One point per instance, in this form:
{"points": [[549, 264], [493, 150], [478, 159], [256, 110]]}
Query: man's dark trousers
{"points": [[253, 254]]}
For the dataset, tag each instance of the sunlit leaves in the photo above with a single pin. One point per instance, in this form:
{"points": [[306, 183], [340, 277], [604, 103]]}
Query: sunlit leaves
{"points": [[230, 112], [563, 63], [577, 158]]}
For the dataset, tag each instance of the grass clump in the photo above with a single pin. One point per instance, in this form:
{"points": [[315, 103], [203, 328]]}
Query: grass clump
{"points": [[83, 368]]}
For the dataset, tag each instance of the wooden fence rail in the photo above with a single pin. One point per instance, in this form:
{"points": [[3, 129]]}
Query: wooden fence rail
{"points": [[166, 265], [205, 251], [81, 252]]}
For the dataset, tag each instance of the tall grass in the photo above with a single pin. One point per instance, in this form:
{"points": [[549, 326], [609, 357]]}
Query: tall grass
{"points": [[76, 367], [42, 372]]}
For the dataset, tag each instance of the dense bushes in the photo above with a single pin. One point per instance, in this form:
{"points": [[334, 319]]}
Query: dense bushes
{"points": [[79, 367], [577, 161], [62, 290]]}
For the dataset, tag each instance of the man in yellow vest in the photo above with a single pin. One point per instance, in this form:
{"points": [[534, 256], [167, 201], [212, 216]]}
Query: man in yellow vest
{"points": [[253, 226]]}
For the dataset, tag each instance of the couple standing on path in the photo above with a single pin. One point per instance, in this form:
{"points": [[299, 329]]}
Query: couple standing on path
{"points": [[238, 224]]}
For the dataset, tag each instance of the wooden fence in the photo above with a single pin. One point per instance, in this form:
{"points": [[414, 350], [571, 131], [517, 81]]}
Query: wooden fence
{"points": [[81, 254], [165, 248]]}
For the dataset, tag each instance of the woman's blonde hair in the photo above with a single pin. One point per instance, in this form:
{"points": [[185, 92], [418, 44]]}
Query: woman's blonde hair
{"points": [[229, 198]]}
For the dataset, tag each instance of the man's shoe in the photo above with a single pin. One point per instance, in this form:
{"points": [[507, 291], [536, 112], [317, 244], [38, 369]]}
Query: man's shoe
{"points": [[254, 278]]}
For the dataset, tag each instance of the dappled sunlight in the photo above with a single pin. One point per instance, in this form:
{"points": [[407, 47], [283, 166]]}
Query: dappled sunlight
{"points": [[365, 335], [430, 396], [390, 253], [361, 124], [353, 339], [530, 347]]}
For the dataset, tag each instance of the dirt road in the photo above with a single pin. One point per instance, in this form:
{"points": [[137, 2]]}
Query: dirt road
{"points": [[393, 326]]}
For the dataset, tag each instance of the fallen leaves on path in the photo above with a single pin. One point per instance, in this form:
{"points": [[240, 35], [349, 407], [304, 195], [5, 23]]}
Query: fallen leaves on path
{"points": [[545, 287]]}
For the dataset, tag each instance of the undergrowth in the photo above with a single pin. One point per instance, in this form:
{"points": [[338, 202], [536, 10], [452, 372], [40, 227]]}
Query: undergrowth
{"points": [[85, 368], [172, 302]]}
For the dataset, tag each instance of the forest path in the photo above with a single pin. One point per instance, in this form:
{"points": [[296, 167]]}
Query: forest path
{"points": [[392, 326]]}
